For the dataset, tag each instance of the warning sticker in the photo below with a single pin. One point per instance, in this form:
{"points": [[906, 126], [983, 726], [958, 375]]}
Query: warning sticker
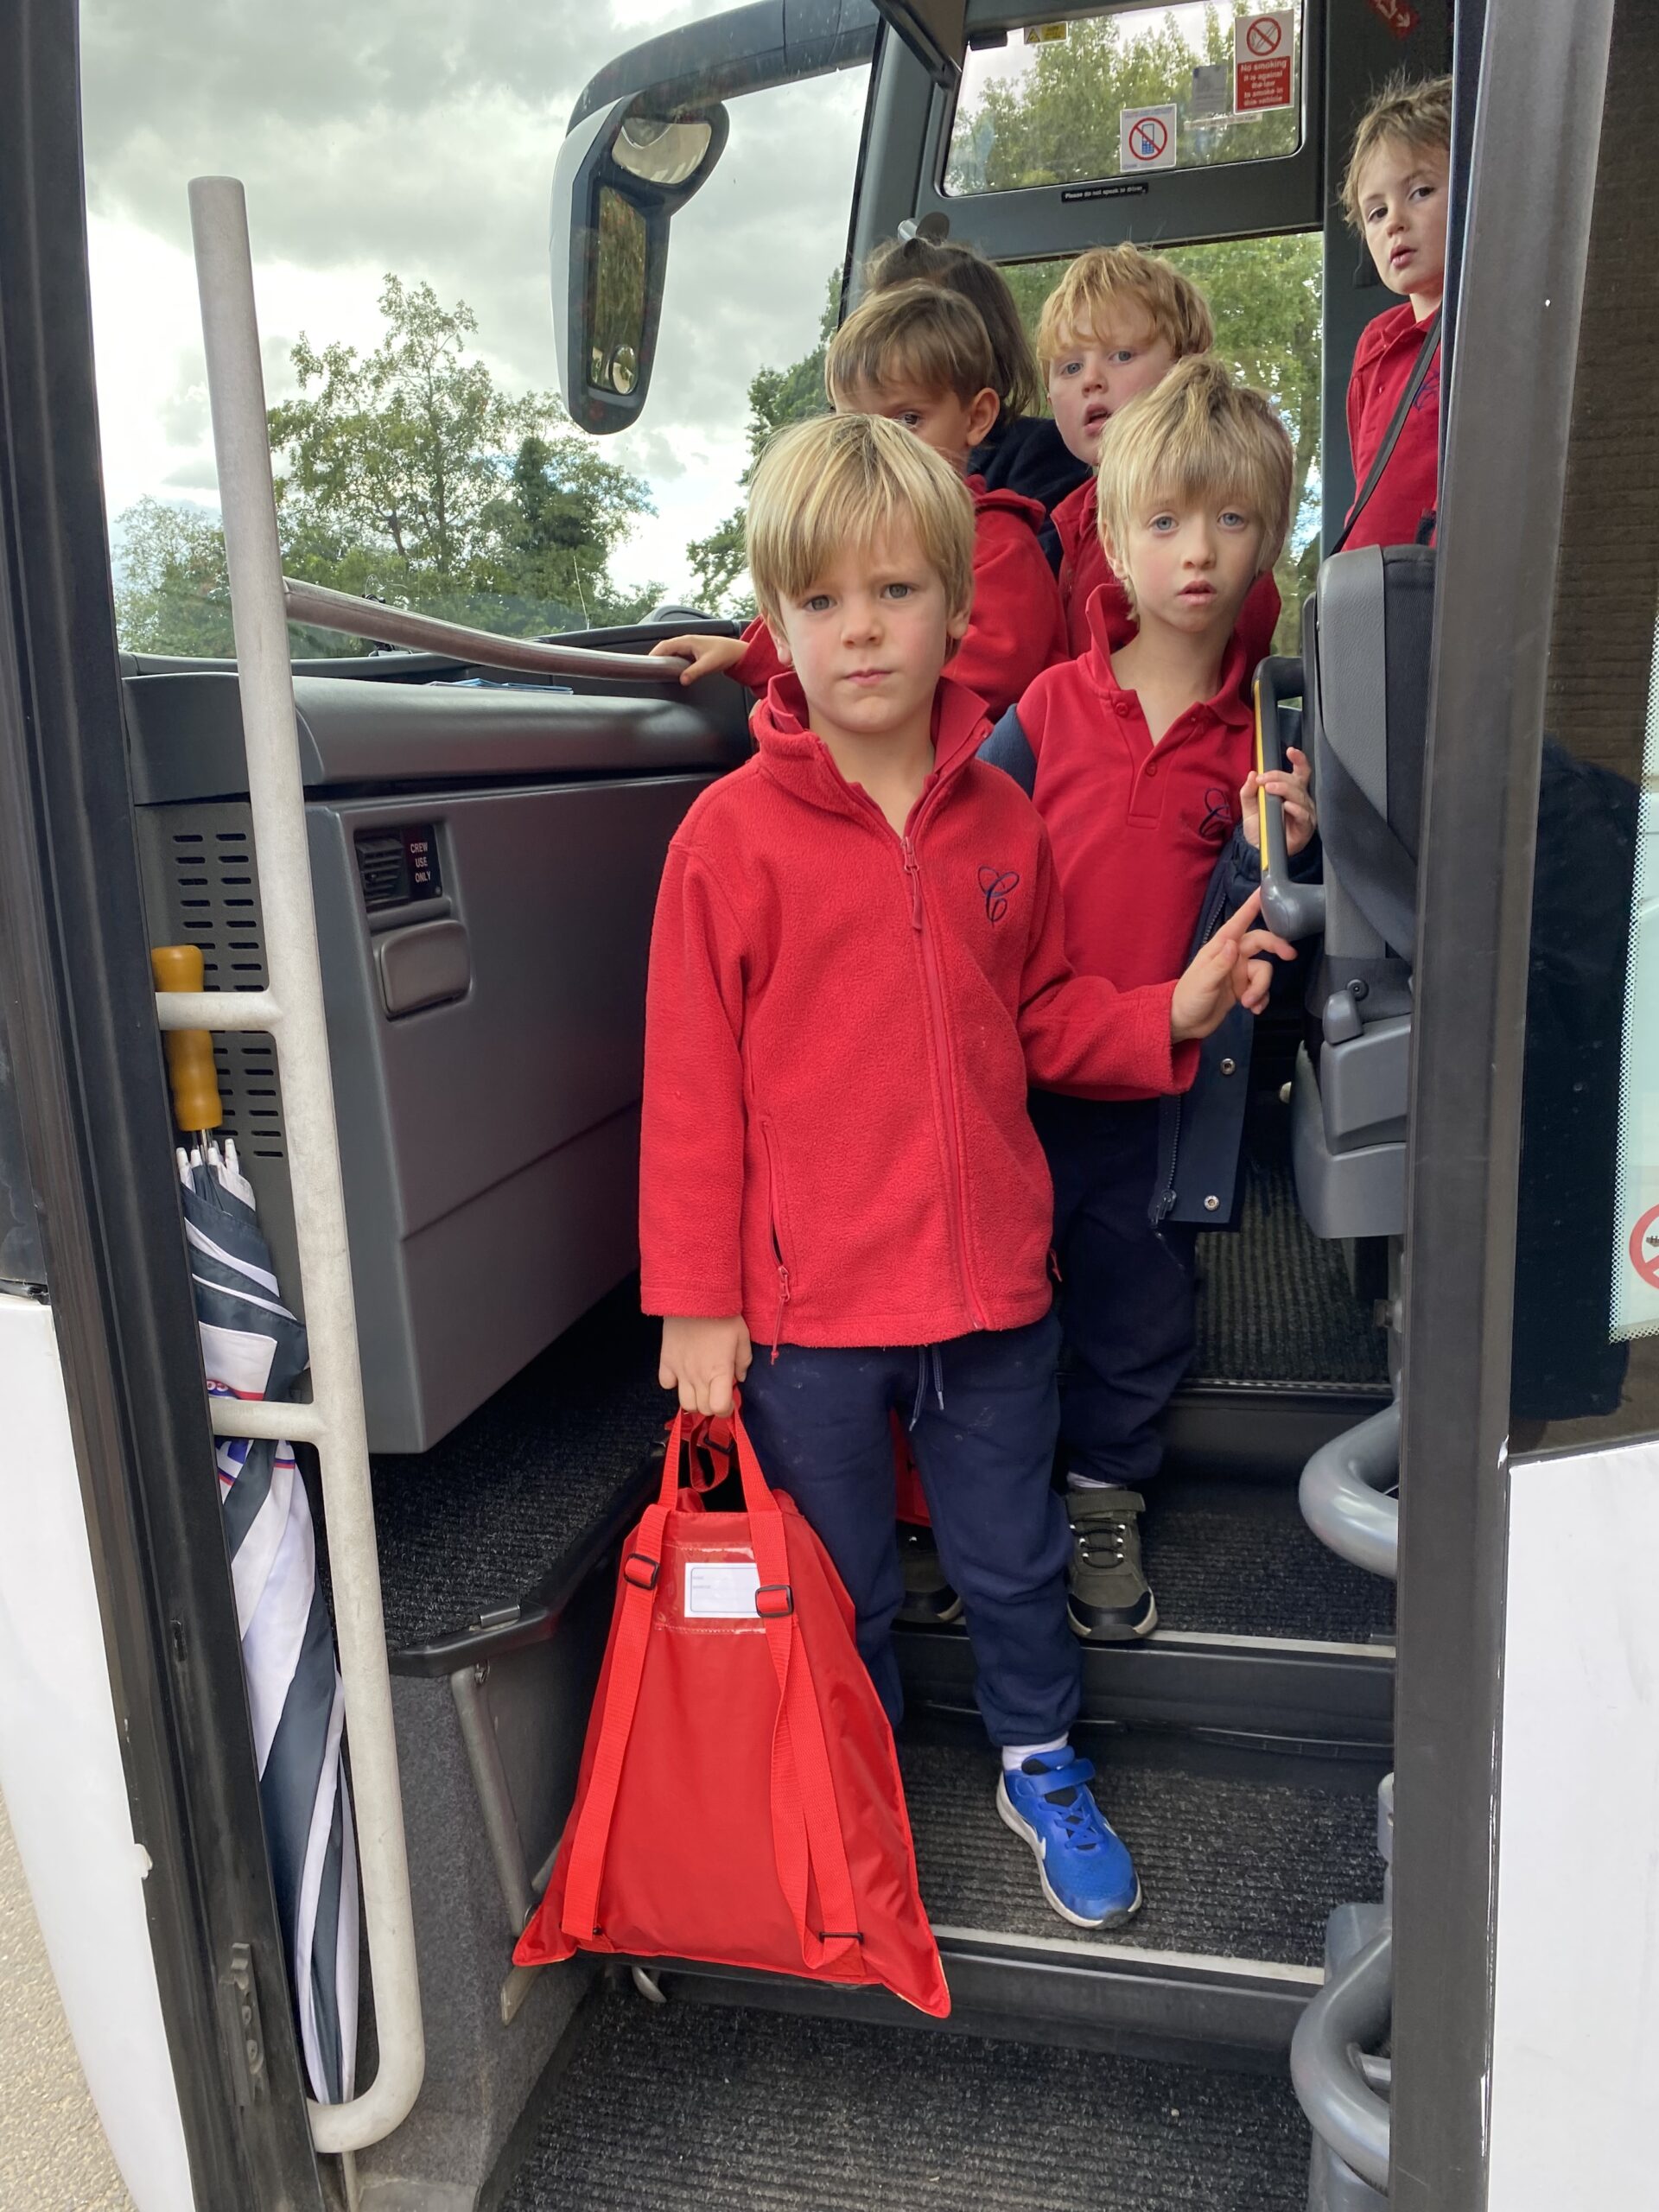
{"points": [[1644, 1247], [1264, 52], [721, 1589], [1146, 138], [1400, 15]]}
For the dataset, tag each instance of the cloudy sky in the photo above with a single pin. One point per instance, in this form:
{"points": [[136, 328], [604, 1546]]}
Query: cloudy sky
{"points": [[418, 137]]}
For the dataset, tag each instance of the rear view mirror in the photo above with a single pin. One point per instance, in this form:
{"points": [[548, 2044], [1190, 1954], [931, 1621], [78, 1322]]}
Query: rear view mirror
{"points": [[621, 173]]}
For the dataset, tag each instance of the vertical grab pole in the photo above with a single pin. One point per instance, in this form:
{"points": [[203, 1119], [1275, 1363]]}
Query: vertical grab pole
{"points": [[236, 385]]}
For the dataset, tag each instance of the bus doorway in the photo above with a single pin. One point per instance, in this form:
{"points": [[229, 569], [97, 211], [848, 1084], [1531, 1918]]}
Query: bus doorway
{"points": [[1248, 1740]]}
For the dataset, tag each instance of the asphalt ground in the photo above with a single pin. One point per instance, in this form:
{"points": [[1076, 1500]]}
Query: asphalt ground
{"points": [[52, 2155]]}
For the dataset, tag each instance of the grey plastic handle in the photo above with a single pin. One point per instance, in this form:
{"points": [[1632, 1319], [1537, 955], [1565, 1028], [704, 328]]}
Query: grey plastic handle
{"points": [[1294, 910], [1341, 1493], [1351, 2011]]}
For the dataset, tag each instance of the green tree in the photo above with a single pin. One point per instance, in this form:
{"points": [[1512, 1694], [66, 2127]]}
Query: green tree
{"points": [[776, 396], [404, 474]]}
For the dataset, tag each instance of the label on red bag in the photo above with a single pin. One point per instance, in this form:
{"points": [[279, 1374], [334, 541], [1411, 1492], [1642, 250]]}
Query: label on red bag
{"points": [[721, 1589]]}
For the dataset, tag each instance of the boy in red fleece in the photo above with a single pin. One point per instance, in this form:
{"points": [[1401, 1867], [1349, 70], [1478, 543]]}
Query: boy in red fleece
{"points": [[1135, 756], [1114, 326], [1394, 196], [856, 968], [920, 356]]}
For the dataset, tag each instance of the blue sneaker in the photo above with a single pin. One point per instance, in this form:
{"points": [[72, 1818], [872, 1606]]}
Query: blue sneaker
{"points": [[1087, 1875]]}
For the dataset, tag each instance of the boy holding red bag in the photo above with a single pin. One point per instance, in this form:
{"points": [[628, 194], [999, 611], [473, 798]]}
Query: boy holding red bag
{"points": [[857, 969]]}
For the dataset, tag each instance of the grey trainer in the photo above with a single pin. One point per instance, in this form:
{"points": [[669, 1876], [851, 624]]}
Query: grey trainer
{"points": [[1108, 1596]]}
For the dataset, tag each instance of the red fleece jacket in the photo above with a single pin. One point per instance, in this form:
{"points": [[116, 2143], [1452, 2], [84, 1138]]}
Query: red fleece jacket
{"points": [[841, 1027], [1017, 628], [1085, 571], [1383, 360], [1136, 828]]}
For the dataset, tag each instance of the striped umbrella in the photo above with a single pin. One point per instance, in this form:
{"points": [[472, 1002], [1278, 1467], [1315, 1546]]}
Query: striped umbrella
{"points": [[253, 1347]]}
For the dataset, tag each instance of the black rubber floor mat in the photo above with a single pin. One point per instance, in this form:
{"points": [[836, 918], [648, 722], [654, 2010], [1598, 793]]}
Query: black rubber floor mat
{"points": [[1237, 1559], [1275, 1303], [1235, 1868], [480, 1519], [697, 2108]]}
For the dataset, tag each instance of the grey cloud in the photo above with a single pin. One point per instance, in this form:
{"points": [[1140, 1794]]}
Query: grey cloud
{"points": [[419, 138]]}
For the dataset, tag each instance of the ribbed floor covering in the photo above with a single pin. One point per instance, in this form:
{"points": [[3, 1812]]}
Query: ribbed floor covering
{"points": [[1237, 1559], [1274, 1304], [697, 2109], [1239, 1869]]}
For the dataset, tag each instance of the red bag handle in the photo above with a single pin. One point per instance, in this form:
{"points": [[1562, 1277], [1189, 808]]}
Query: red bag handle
{"points": [[805, 1822]]}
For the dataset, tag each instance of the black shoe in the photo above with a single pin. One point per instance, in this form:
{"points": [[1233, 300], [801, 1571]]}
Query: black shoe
{"points": [[1108, 1596], [930, 1602]]}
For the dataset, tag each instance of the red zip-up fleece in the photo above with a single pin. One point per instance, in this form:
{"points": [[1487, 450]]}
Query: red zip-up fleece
{"points": [[1085, 570], [1409, 489], [841, 1027], [1136, 828], [1018, 628]]}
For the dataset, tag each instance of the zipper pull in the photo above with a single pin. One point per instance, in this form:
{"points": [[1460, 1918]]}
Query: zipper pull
{"points": [[783, 1302], [915, 875]]}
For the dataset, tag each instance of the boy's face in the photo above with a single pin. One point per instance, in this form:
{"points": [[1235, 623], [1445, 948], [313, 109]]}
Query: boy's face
{"points": [[1402, 210], [1190, 565], [951, 425], [869, 637], [1101, 370]]}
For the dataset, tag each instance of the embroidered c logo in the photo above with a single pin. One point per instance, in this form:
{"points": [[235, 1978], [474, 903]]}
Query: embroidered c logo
{"points": [[996, 884]]}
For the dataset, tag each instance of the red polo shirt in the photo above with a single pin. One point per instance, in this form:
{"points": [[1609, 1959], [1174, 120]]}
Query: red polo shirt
{"points": [[1136, 827], [1383, 360]]}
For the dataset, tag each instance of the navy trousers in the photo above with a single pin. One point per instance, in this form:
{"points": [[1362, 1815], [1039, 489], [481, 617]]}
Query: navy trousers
{"points": [[1126, 1298], [985, 1417]]}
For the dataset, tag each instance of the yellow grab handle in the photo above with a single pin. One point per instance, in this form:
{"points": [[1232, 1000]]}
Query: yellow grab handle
{"points": [[190, 1067]]}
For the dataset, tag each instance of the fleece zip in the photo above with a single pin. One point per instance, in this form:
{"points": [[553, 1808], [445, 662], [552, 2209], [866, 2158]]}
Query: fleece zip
{"points": [[841, 1024], [1017, 628], [1085, 571]]}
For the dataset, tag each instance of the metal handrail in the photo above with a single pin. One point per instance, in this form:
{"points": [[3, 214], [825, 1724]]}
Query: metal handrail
{"points": [[1340, 1495], [292, 1012], [1351, 2011], [395, 626]]}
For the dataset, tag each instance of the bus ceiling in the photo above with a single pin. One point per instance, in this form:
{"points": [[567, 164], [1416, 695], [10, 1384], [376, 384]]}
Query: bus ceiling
{"points": [[650, 128]]}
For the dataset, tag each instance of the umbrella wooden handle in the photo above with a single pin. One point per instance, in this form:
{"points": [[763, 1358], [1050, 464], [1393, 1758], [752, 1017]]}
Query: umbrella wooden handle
{"points": [[190, 1067]]}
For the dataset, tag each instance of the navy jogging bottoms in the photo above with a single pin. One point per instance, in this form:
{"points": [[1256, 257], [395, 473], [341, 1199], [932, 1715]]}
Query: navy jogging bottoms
{"points": [[985, 1415]]}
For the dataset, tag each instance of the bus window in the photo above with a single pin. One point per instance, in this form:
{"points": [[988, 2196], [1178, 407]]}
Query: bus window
{"points": [[1086, 96], [1264, 295]]}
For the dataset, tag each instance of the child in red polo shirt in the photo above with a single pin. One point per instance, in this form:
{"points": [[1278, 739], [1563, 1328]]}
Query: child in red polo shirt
{"points": [[857, 968], [1138, 756], [1394, 196], [1114, 326], [920, 356]]}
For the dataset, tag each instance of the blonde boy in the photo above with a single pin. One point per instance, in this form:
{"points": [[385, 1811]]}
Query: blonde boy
{"points": [[1135, 755], [1113, 327], [921, 357], [1395, 196], [856, 970]]}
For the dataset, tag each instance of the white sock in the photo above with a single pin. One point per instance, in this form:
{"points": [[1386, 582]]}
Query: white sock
{"points": [[1015, 1754], [1074, 1481]]}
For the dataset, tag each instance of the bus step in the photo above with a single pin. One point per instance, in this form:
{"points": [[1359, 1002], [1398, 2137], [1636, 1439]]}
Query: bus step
{"points": [[686, 2106]]}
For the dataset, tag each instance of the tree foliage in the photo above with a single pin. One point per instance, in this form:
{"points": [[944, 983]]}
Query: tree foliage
{"points": [[776, 396], [404, 474]]}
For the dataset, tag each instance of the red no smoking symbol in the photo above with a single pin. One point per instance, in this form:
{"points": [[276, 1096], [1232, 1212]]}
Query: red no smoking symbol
{"points": [[1644, 1247], [1263, 35], [1148, 136]]}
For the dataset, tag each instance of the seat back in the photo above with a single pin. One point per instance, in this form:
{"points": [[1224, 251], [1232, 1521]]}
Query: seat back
{"points": [[1366, 633]]}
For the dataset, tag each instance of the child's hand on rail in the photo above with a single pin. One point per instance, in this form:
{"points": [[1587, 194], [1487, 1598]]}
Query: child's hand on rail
{"points": [[1301, 817], [707, 656]]}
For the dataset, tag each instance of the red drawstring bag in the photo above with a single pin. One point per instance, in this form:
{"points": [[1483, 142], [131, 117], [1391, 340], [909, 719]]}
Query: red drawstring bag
{"points": [[739, 1799]]}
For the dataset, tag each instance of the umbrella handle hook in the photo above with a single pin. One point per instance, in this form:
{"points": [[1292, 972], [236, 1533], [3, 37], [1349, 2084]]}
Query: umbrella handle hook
{"points": [[191, 1070]]}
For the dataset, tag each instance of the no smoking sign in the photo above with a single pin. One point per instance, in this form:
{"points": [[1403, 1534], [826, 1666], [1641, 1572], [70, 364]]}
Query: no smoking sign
{"points": [[1146, 138], [1264, 52], [1644, 1247]]}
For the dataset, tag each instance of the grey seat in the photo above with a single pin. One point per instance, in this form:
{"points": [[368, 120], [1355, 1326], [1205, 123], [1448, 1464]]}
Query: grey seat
{"points": [[1364, 680]]}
